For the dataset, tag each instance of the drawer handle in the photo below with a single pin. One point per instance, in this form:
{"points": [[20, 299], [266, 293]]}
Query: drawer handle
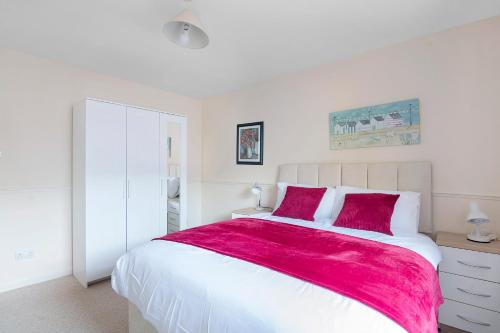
{"points": [[473, 321], [471, 293], [471, 265]]}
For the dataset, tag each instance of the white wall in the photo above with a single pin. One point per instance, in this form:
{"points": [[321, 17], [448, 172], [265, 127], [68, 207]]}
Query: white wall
{"points": [[456, 75], [36, 98]]}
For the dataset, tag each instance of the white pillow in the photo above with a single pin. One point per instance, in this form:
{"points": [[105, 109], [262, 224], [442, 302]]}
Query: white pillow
{"points": [[173, 184], [325, 208], [405, 217]]}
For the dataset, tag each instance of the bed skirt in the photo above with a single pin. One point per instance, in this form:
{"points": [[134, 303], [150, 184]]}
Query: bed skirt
{"points": [[136, 323]]}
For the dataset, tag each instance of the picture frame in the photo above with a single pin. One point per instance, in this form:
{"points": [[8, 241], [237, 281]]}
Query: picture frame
{"points": [[250, 143], [390, 124]]}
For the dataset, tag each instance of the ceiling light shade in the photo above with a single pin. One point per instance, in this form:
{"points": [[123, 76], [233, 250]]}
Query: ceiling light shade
{"points": [[186, 30]]}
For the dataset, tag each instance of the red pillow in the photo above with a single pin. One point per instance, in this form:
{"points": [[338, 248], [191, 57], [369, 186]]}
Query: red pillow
{"points": [[300, 202], [368, 211]]}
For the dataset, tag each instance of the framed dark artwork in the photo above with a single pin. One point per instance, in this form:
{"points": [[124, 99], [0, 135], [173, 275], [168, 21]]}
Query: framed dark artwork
{"points": [[250, 143]]}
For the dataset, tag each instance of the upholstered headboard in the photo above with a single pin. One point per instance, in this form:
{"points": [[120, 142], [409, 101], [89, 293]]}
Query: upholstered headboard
{"points": [[401, 176]]}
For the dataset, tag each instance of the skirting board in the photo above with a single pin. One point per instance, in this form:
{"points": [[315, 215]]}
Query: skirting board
{"points": [[136, 323], [35, 280]]}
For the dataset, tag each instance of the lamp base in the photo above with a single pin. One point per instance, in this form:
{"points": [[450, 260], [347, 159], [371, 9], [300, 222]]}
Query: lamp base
{"points": [[480, 238], [259, 208]]}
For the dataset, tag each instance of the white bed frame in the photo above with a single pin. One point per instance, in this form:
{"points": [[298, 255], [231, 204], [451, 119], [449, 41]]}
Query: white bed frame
{"points": [[401, 176]]}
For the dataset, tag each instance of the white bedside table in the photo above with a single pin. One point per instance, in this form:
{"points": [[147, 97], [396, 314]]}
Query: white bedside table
{"points": [[250, 212], [470, 281]]}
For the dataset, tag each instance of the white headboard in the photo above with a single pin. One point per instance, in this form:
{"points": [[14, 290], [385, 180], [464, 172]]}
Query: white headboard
{"points": [[401, 176]]}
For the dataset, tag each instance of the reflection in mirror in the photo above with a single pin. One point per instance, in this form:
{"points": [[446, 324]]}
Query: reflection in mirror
{"points": [[174, 189]]}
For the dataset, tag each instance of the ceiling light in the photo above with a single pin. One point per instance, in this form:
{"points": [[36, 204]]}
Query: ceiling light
{"points": [[186, 30]]}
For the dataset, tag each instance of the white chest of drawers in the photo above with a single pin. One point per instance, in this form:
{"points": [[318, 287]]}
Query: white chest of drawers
{"points": [[173, 224], [470, 282]]}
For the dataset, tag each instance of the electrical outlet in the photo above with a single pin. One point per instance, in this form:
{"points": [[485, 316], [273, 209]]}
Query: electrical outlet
{"points": [[24, 254]]}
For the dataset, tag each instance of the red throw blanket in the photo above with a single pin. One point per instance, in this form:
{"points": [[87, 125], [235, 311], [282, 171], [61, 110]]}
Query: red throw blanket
{"points": [[395, 281]]}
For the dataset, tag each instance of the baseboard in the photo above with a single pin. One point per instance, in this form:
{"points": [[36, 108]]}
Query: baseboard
{"points": [[35, 280]]}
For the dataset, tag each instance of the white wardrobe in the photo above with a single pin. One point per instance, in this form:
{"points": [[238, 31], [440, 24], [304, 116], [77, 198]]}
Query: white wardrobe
{"points": [[118, 196]]}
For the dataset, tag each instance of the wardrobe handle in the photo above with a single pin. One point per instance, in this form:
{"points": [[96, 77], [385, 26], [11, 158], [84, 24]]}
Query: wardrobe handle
{"points": [[128, 189]]}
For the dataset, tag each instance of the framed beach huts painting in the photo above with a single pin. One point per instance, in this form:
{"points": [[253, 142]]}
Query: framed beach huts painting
{"points": [[388, 124], [250, 143]]}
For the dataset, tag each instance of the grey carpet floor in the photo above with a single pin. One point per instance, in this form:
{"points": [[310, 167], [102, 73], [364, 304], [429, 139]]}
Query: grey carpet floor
{"points": [[63, 306]]}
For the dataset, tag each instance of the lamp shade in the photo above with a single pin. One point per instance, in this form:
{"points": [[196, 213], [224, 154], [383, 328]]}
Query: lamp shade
{"points": [[256, 189], [186, 30], [476, 216]]}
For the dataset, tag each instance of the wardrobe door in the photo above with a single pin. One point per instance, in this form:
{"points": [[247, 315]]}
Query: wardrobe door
{"points": [[143, 176], [105, 164]]}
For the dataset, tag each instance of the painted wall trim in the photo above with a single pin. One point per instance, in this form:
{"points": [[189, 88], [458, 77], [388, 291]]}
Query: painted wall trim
{"points": [[36, 279], [33, 189], [490, 197], [466, 196]]}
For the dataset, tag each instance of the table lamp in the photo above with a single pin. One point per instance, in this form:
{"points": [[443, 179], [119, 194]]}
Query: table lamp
{"points": [[257, 190], [477, 218]]}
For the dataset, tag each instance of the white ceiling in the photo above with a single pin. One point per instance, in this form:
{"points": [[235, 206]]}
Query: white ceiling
{"points": [[250, 40]]}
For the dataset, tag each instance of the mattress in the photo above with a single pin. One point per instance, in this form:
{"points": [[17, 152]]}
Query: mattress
{"points": [[181, 288], [174, 205]]}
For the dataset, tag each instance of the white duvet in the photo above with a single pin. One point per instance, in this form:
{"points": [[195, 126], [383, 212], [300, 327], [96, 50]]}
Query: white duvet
{"points": [[184, 289]]}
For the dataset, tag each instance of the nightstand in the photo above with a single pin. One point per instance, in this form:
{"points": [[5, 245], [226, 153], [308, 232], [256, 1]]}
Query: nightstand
{"points": [[470, 282], [250, 212]]}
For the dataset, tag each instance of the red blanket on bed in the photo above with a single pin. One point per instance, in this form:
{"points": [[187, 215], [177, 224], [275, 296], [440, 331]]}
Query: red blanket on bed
{"points": [[395, 281]]}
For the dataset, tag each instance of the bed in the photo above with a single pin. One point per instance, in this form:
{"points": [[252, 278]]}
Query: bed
{"points": [[177, 287]]}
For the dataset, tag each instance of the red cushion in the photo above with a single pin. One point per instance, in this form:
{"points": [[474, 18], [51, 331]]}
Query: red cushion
{"points": [[368, 211], [300, 202]]}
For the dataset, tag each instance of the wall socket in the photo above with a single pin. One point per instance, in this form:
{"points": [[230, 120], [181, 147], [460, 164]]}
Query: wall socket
{"points": [[24, 254]]}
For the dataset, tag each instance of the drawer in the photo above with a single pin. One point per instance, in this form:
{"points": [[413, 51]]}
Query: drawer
{"points": [[469, 318], [474, 264], [471, 291], [172, 228], [173, 218]]}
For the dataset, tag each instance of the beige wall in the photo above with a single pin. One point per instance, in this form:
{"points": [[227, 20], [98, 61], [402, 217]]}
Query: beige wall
{"points": [[36, 98], [456, 75]]}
